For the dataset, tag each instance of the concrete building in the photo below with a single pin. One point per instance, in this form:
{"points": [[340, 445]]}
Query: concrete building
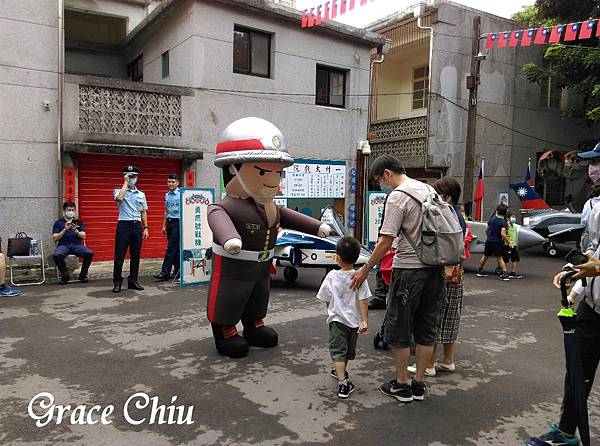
{"points": [[427, 130], [153, 84]]}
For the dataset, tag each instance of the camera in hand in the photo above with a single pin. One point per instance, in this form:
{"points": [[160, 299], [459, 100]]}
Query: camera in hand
{"points": [[576, 257]]}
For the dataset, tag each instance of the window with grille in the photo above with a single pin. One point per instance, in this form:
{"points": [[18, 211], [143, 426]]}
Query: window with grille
{"points": [[330, 87], [251, 52], [165, 64], [420, 87]]}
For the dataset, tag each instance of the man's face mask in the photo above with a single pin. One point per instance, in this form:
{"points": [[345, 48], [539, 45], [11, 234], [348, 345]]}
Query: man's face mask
{"points": [[131, 181], [70, 214], [594, 173]]}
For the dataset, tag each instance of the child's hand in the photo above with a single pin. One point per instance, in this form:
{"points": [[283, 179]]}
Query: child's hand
{"points": [[362, 327]]}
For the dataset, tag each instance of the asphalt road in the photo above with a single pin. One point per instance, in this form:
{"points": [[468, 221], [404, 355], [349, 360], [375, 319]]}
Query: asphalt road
{"points": [[87, 347]]}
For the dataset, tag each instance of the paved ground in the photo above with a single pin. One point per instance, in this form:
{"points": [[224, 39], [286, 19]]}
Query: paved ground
{"points": [[86, 346]]}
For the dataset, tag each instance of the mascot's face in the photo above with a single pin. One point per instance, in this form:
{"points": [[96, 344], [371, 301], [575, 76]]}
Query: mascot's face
{"points": [[261, 179]]}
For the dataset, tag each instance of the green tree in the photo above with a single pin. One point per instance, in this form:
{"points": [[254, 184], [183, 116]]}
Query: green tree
{"points": [[572, 65]]}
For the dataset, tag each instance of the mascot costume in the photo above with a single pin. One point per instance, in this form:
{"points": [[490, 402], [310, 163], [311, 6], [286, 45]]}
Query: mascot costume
{"points": [[252, 154]]}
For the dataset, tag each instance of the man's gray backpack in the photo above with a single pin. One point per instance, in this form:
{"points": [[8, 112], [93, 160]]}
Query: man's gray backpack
{"points": [[441, 235]]}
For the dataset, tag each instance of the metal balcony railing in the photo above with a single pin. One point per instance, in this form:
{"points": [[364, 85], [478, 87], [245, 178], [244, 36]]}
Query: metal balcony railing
{"points": [[402, 138]]}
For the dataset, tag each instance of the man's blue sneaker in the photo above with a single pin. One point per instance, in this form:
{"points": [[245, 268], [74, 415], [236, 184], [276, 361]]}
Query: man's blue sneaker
{"points": [[5, 291], [554, 437]]}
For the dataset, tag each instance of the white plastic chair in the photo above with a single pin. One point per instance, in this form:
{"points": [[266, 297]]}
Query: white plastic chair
{"points": [[37, 260]]}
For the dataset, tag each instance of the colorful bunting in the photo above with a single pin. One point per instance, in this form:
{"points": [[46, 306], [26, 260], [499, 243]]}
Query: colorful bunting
{"points": [[543, 35], [328, 11]]}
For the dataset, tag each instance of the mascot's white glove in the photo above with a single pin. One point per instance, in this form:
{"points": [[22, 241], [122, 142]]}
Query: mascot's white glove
{"points": [[324, 230], [233, 245]]}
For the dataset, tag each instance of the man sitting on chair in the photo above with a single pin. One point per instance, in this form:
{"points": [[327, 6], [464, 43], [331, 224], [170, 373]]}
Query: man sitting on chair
{"points": [[69, 234]]}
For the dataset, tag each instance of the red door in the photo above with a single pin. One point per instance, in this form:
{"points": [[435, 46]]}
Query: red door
{"points": [[98, 176]]}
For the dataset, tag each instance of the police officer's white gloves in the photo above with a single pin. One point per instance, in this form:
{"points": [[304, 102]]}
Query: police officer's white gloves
{"points": [[233, 246], [324, 230]]}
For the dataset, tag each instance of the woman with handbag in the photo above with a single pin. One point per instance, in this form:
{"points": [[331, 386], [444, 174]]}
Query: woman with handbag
{"points": [[449, 190]]}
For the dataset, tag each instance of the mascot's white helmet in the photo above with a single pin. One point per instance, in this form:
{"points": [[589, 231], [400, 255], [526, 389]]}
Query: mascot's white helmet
{"points": [[251, 140]]}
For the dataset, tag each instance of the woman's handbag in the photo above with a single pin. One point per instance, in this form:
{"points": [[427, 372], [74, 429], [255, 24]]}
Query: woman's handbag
{"points": [[19, 245], [453, 274]]}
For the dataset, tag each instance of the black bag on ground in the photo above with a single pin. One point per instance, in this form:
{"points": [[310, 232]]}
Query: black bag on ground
{"points": [[19, 245]]}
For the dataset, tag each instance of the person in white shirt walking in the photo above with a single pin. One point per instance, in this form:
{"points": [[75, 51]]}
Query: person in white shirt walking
{"points": [[347, 311]]}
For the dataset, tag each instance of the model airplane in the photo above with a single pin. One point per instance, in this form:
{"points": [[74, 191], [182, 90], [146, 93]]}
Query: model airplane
{"points": [[295, 249], [526, 238]]}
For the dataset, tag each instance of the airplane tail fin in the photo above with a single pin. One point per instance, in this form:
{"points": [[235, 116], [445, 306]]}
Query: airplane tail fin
{"points": [[529, 197]]}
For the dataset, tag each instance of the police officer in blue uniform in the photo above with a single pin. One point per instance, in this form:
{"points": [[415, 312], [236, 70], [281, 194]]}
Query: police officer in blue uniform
{"points": [[132, 228], [171, 229]]}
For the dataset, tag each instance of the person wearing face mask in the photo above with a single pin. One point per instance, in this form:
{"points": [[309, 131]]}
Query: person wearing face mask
{"points": [[132, 228], [252, 154], [171, 230], [69, 233], [511, 253]]}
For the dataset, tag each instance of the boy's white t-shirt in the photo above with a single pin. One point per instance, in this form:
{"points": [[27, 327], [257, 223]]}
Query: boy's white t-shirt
{"points": [[343, 302]]}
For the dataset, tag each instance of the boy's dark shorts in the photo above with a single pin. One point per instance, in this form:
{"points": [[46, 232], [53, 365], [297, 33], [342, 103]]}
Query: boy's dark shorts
{"points": [[493, 249], [414, 301], [342, 341], [511, 254]]}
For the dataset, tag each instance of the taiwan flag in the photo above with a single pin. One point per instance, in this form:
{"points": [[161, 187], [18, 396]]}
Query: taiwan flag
{"points": [[556, 34], [586, 29], [571, 31], [491, 38], [503, 38], [478, 196], [529, 198], [528, 178], [514, 38], [528, 37], [541, 36]]}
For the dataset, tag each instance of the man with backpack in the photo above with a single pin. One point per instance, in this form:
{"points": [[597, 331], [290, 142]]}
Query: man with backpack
{"points": [[429, 236]]}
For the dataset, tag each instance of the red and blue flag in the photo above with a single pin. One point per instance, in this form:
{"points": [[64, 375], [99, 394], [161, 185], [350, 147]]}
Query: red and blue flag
{"points": [[529, 198]]}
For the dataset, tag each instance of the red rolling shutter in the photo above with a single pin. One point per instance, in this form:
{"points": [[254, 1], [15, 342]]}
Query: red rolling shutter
{"points": [[98, 176]]}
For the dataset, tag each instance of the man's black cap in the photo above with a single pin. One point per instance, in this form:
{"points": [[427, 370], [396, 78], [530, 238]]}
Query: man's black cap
{"points": [[173, 176], [131, 169]]}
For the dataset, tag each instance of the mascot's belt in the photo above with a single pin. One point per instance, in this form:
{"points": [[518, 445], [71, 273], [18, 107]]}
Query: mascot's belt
{"points": [[252, 256]]}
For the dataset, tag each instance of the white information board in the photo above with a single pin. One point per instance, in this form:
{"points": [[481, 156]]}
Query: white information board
{"points": [[195, 235], [375, 204], [314, 179]]}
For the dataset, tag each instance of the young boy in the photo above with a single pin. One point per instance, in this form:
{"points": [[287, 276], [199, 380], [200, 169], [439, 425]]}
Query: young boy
{"points": [[511, 253], [347, 310], [494, 245]]}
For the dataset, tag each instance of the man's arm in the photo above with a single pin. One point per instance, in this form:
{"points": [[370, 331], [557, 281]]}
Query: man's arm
{"points": [[58, 235], [363, 306], [121, 195], [504, 234], [381, 248], [144, 215], [164, 228]]}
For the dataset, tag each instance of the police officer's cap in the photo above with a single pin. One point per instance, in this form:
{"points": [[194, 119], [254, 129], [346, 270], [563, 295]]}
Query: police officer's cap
{"points": [[131, 169], [173, 176]]}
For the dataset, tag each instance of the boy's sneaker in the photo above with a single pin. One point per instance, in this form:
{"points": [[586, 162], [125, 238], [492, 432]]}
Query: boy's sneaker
{"points": [[334, 375], [429, 371], [481, 273], [418, 390], [515, 276], [504, 277], [6, 291], [554, 437], [445, 367], [345, 390], [402, 392]]}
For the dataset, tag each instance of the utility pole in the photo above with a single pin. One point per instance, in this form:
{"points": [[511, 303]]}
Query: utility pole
{"points": [[472, 84]]}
